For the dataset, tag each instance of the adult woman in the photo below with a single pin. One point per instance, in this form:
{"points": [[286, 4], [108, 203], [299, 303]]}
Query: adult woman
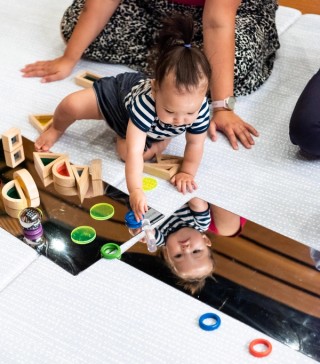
{"points": [[238, 37]]}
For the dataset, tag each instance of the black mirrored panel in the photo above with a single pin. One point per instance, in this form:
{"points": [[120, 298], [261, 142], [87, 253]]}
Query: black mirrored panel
{"points": [[62, 214], [261, 278]]}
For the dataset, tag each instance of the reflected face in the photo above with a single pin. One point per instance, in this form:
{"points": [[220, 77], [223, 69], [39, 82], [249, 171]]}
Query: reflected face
{"points": [[178, 107], [189, 252]]}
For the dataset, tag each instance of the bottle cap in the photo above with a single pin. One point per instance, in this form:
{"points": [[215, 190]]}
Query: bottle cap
{"points": [[131, 221]]}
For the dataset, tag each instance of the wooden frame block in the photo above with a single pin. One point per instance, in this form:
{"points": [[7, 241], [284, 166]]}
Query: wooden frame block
{"points": [[11, 139], [81, 174], [44, 161], [161, 170], [13, 196], [86, 78], [63, 174], [15, 157], [168, 159], [41, 121], [28, 185]]}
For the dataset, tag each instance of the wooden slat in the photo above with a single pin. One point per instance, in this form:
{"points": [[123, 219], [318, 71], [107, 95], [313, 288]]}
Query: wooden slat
{"points": [[277, 242], [305, 6], [277, 266], [267, 286]]}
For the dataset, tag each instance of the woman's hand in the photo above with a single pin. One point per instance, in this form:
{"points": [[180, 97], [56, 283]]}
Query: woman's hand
{"points": [[184, 182], [233, 127], [54, 70]]}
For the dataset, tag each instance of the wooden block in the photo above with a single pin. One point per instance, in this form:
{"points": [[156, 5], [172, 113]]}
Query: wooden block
{"points": [[86, 78], [95, 169], [67, 191], [11, 139], [168, 159], [13, 212], [28, 185], [44, 161], [63, 174], [161, 170], [34, 202], [15, 157], [41, 121], [81, 174], [13, 196], [47, 180]]}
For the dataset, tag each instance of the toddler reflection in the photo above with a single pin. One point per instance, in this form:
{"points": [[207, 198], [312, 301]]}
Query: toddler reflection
{"points": [[184, 245]]}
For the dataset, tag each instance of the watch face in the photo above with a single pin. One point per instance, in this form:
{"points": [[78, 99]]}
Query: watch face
{"points": [[230, 102]]}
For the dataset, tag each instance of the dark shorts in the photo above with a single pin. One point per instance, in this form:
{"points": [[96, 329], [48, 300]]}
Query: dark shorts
{"points": [[110, 92], [304, 127]]}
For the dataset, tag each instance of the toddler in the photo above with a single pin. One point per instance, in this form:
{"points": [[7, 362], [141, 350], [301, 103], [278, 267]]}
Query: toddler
{"points": [[146, 113], [185, 247]]}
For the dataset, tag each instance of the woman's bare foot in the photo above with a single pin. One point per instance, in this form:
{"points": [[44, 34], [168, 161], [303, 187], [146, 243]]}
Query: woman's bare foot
{"points": [[47, 139]]}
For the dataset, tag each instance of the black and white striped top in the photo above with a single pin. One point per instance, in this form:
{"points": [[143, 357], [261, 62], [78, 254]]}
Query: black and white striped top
{"points": [[141, 109], [184, 217]]}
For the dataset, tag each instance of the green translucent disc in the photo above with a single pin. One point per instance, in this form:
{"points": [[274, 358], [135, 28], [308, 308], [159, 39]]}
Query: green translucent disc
{"points": [[83, 235], [102, 211]]}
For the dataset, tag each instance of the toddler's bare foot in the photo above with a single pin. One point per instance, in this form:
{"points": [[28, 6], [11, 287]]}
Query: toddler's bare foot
{"points": [[47, 139]]}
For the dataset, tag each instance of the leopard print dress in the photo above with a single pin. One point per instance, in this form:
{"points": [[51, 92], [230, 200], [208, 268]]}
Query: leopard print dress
{"points": [[130, 35]]}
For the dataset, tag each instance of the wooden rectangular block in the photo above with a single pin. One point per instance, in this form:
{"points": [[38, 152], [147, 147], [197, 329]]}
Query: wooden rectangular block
{"points": [[11, 139], [41, 121], [86, 78], [15, 157]]}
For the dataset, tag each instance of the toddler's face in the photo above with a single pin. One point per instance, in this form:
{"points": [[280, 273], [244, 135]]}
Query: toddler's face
{"points": [[178, 107], [188, 251]]}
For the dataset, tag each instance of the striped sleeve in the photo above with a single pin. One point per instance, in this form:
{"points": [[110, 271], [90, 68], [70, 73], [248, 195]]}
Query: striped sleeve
{"points": [[142, 112]]}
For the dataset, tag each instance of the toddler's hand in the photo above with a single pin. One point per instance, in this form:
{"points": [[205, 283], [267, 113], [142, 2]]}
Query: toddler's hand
{"points": [[138, 203], [184, 182]]}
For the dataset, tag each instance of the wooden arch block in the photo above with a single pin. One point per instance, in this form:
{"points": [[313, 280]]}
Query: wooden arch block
{"points": [[13, 197], [63, 174], [29, 187]]}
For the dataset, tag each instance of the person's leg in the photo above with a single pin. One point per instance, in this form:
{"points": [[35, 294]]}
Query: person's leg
{"points": [[76, 106], [304, 129], [224, 222], [155, 148], [256, 44]]}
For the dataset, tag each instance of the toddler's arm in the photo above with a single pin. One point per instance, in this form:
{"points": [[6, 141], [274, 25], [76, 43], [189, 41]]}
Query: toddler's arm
{"points": [[95, 15], [135, 140], [184, 179]]}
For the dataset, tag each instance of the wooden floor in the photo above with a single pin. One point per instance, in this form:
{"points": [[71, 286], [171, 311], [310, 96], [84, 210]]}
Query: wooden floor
{"points": [[305, 6]]}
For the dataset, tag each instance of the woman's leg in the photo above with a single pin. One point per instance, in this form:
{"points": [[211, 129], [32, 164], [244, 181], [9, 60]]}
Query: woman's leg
{"points": [[76, 106]]}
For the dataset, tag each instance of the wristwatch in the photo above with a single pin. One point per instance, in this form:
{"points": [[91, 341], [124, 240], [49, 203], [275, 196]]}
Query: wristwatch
{"points": [[227, 103]]}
